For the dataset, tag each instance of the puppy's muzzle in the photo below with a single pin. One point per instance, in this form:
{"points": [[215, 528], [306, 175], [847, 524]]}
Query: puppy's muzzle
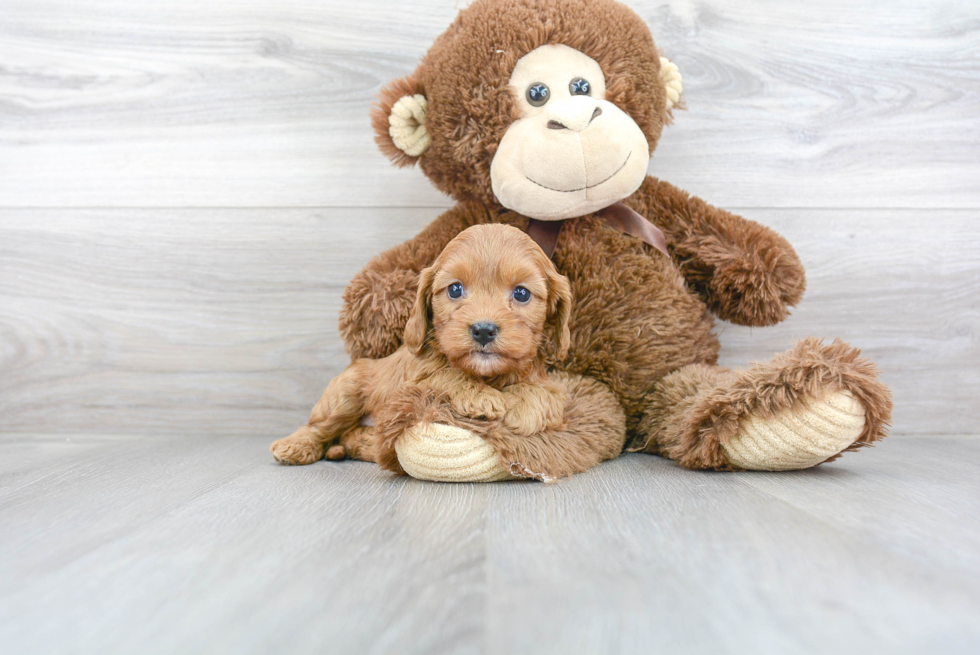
{"points": [[483, 333]]}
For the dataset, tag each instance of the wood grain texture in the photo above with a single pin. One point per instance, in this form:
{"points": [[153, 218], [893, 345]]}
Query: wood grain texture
{"points": [[206, 546], [258, 103], [185, 189], [216, 321]]}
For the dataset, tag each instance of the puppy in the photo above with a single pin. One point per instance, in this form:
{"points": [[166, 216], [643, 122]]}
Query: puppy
{"points": [[476, 337]]}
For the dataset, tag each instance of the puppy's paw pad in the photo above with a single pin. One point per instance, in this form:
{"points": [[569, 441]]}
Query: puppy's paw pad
{"points": [[797, 438]]}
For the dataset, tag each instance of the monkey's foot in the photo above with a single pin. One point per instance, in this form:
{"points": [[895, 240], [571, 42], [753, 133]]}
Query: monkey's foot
{"points": [[797, 438], [444, 453]]}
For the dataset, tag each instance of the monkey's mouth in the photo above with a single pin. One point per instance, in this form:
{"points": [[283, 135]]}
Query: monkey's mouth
{"points": [[587, 186]]}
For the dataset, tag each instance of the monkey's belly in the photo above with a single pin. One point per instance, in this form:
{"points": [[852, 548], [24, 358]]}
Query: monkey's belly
{"points": [[634, 319]]}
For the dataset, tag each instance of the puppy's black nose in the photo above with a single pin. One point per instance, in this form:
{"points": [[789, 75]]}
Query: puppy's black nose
{"points": [[483, 333]]}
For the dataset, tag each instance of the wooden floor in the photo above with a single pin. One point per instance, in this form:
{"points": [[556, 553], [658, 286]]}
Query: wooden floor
{"points": [[204, 545], [187, 186]]}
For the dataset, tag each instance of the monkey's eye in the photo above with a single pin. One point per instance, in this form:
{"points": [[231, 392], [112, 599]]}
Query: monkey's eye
{"points": [[455, 290], [537, 94], [579, 87], [521, 294]]}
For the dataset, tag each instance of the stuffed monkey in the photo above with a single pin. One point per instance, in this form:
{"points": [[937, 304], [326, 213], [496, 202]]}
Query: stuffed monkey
{"points": [[543, 114]]}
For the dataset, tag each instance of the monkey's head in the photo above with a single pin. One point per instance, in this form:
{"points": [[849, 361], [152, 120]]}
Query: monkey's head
{"points": [[550, 108]]}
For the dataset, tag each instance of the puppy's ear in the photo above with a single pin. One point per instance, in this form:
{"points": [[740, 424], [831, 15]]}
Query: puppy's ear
{"points": [[420, 321], [559, 309]]}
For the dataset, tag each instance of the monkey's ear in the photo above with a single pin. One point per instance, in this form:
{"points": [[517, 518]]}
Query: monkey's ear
{"points": [[420, 322], [398, 118], [670, 75]]}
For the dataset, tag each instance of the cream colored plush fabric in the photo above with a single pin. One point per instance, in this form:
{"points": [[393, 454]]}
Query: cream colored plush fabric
{"points": [[406, 125], [672, 80], [596, 157], [444, 453], [797, 439]]}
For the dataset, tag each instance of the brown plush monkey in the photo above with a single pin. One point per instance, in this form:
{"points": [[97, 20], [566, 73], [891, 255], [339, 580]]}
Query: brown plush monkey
{"points": [[543, 114]]}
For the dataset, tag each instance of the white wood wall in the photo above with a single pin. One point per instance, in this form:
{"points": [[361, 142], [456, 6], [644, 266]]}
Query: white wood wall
{"points": [[187, 185]]}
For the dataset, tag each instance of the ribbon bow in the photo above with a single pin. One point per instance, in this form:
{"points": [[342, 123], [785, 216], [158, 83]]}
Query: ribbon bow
{"points": [[617, 216]]}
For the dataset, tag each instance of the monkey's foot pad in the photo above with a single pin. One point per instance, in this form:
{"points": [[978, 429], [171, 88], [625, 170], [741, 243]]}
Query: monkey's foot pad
{"points": [[443, 453], [797, 438]]}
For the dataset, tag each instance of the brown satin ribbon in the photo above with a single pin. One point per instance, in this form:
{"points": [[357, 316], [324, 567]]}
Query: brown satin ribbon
{"points": [[617, 216]]}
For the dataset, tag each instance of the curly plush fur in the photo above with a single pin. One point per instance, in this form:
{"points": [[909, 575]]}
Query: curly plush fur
{"points": [[642, 325], [713, 400]]}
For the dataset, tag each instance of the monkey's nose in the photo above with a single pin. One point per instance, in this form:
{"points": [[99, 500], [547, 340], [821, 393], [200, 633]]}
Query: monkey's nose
{"points": [[558, 125], [483, 333], [574, 114]]}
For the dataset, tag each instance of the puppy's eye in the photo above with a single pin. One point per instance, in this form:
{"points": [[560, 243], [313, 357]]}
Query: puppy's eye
{"points": [[455, 290], [521, 294], [579, 87], [537, 94]]}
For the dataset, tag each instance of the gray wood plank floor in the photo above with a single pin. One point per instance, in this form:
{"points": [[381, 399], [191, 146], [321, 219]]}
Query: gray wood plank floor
{"points": [[186, 187], [204, 545]]}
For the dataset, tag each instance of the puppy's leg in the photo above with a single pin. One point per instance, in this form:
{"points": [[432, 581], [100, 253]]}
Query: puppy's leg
{"points": [[592, 430], [357, 443], [532, 408], [467, 396], [339, 410]]}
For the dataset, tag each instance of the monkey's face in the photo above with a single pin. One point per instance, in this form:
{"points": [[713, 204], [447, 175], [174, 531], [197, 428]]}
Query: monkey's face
{"points": [[550, 109], [571, 152]]}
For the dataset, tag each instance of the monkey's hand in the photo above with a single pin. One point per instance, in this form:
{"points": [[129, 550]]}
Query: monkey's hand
{"points": [[377, 304], [745, 272]]}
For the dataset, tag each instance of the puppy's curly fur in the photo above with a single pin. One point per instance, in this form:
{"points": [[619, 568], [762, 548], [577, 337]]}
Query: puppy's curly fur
{"points": [[502, 381]]}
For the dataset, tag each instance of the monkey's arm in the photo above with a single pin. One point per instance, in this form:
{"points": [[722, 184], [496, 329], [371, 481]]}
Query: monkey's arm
{"points": [[379, 299], [745, 272]]}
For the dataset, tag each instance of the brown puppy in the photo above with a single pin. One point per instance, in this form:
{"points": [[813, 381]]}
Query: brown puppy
{"points": [[482, 313]]}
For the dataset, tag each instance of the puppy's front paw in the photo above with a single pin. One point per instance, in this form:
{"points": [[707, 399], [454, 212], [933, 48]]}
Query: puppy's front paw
{"points": [[297, 449], [486, 403], [533, 409], [527, 424]]}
